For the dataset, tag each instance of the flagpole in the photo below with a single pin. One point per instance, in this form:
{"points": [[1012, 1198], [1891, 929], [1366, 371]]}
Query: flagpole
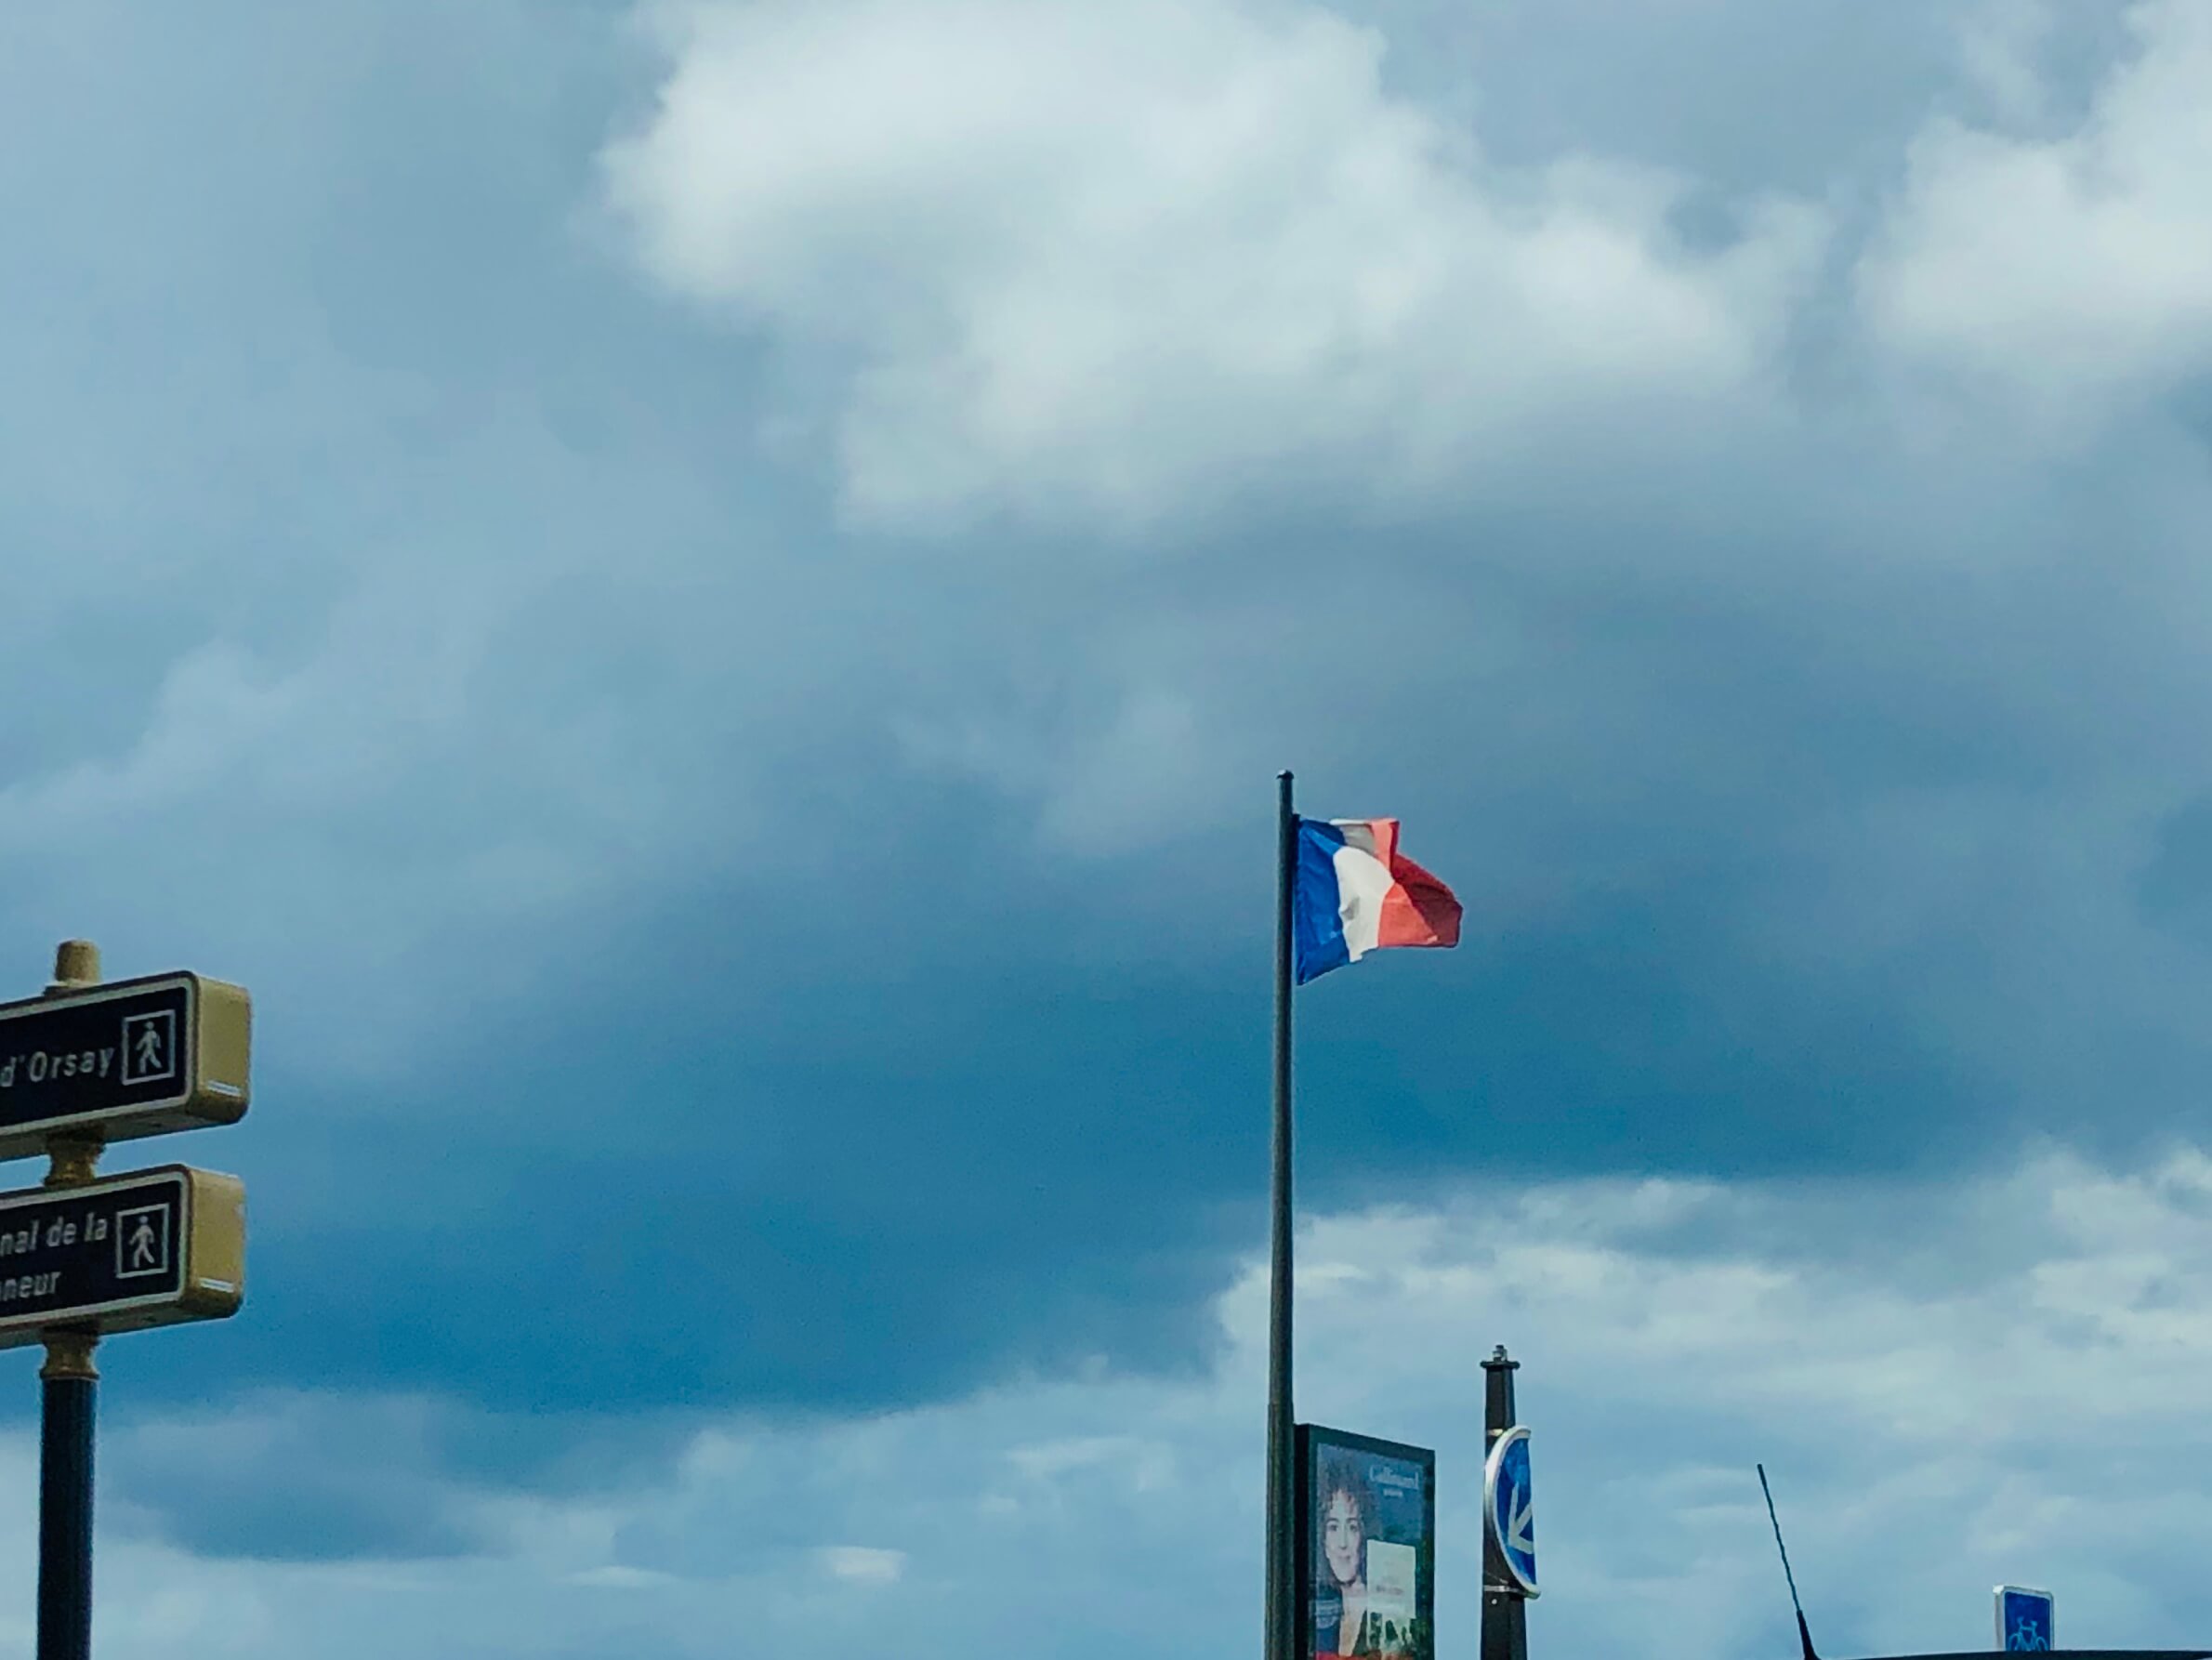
{"points": [[1282, 1595]]}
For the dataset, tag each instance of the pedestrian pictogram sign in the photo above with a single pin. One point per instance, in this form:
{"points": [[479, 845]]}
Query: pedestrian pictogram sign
{"points": [[151, 1248], [136, 1057]]}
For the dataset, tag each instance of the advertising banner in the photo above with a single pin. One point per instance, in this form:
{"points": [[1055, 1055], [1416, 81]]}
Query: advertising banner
{"points": [[1366, 1559]]}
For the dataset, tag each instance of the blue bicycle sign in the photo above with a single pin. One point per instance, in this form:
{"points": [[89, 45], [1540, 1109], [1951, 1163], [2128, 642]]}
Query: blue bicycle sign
{"points": [[2023, 1620]]}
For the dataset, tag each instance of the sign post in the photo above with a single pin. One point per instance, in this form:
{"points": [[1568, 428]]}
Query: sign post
{"points": [[80, 1257], [2023, 1619], [69, 1383], [1505, 1600]]}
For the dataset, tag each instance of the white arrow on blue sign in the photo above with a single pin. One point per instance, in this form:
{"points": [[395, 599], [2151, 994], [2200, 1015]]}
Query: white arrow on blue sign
{"points": [[1509, 1508], [2023, 1619]]}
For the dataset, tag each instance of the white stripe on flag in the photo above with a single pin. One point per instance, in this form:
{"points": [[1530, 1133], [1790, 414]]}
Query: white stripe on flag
{"points": [[1362, 880]]}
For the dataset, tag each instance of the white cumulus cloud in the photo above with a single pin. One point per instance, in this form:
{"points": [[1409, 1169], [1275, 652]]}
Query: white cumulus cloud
{"points": [[2068, 268], [1079, 260]]}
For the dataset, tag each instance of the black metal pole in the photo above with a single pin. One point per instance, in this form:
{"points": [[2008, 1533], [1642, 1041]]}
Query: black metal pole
{"points": [[1505, 1613], [1775, 1522], [71, 1386], [1282, 1595]]}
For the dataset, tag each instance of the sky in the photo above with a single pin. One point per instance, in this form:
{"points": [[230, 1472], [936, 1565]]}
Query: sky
{"points": [[704, 597]]}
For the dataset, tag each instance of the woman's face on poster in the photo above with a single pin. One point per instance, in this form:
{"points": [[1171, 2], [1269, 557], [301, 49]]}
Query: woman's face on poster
{"points": [[1342, 1538]]}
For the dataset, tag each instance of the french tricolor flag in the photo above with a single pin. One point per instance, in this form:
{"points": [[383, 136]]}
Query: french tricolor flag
{"points": [[1354, 892]]}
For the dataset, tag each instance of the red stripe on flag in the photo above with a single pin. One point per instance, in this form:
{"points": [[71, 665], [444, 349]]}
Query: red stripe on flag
{"points": [[1420, 910]]}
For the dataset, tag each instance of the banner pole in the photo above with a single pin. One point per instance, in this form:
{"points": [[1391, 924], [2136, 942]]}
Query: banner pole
{"points": [[1282, 1595]]}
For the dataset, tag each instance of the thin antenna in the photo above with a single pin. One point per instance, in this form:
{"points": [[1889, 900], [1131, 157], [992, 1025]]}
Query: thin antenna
{"points": [[1804, 1632]]}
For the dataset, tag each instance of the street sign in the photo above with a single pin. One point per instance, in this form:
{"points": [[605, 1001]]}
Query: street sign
{"points": [[2023, 1619], [151, 1248], [134, 1057], [1510, 1511]]}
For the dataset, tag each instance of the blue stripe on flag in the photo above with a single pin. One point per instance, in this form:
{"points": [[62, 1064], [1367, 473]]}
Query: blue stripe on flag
{"points": [[1316, 920]]}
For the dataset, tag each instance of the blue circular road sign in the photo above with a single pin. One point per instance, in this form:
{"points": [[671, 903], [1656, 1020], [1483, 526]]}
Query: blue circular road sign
{"points": [[1508, 1508]]}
